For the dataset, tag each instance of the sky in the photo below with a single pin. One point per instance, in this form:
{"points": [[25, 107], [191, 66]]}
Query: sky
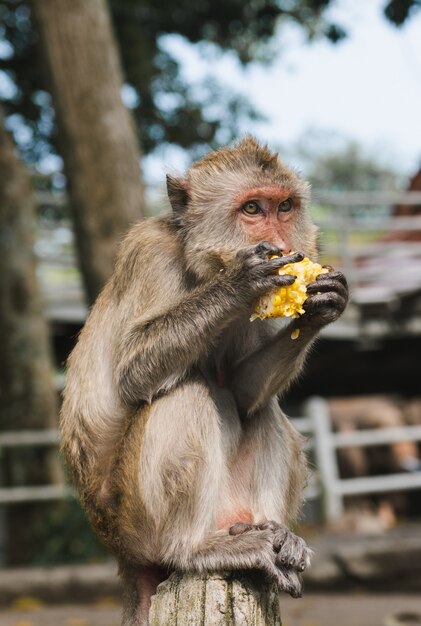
{"points": [[366, 88]]}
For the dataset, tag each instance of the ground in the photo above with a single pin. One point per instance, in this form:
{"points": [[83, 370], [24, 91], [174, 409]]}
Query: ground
{"points": [[349, 609]]}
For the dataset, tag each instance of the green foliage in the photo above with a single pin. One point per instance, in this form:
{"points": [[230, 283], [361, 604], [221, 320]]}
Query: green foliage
{"points": [[399, 11], [166, 108], [48, 532], [61, 534]]}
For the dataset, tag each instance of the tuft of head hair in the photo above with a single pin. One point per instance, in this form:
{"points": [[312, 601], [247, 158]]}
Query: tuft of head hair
{"points": [[244, 154], [223, 173]]}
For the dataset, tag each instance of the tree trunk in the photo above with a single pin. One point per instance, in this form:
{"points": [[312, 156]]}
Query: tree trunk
{"points": [[96, 132], [27, 394], [27, 398], [218, 599]]}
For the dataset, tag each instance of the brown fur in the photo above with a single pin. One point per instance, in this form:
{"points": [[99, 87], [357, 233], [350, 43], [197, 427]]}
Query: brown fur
{"points": [[160, 451]]}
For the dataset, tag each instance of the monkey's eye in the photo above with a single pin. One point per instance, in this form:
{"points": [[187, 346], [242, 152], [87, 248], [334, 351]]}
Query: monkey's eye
{"points": [[286, 205], [250, 208]]}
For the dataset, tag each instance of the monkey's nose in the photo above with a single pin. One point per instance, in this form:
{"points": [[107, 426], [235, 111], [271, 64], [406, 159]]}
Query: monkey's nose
{"points": [[284, 248]]}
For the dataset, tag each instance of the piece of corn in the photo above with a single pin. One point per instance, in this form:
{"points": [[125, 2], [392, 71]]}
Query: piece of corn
{"points": [[295, 333], [288, 301]]}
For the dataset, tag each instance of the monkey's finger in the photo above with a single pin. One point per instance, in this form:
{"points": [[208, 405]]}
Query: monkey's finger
{"points": [[275, 264], [254, 255], [283, 281], [329, 299], [324, 301], [324, 286], [264, 249], [336, 275], [266, 283]]}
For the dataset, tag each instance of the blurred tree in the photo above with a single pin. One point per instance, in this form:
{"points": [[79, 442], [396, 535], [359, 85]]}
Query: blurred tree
{"points": [[97, 136], [165, 106], [27, 394], [349, 169], [343, 165], [27, 398], [93, 133]]}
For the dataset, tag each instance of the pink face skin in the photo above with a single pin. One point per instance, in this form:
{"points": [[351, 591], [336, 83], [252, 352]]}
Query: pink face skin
{"points": [[268, 214]]}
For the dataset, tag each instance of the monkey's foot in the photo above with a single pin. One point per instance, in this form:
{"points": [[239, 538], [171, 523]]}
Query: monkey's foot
{"points": [[291, 550], [291, 555]]}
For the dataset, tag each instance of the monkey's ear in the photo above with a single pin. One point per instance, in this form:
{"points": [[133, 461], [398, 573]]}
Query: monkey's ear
{"points": [[178, 193]]}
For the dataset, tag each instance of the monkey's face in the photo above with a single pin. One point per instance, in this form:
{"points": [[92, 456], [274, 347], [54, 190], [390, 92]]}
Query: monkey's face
{"points": [[240, 196], [274, 213]]}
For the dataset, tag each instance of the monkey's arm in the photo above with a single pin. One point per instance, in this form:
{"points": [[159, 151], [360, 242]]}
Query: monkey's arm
{"points": [[270, 369], [155, 352], [156, 349]]}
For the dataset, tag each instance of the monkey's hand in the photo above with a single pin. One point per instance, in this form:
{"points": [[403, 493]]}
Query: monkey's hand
{"points": [[255, 272], [290, 555], [328, 297]]}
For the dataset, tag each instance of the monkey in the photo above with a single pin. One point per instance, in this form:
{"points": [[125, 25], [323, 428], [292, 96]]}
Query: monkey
{"points": [[170, 423]]}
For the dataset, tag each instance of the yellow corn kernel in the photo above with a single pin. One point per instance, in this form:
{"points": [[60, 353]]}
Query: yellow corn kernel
{"points": [[288, 301]]}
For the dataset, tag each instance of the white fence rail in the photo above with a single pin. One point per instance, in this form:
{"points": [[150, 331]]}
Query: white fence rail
{"points": [[360, 235], [326, 444], [377, 250], [33, 493]]}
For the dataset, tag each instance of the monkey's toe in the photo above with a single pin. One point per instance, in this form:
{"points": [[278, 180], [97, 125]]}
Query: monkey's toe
{"points": [[240, 527], [289, 580], [292, 551]]}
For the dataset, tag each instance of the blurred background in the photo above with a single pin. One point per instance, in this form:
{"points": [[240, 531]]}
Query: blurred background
{"points": [[98, 100]]}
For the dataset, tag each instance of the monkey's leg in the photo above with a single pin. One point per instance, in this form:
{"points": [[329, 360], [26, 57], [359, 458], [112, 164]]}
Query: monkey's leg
{"points": [[273, 549], [179, 469], [171, 474], [139, 585], [271, 465]]}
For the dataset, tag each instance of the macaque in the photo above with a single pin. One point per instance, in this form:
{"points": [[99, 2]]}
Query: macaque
{"points": [[171, 424]]}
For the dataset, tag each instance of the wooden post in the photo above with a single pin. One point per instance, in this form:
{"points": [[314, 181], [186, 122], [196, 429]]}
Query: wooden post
{"points": [[216, 599]]}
